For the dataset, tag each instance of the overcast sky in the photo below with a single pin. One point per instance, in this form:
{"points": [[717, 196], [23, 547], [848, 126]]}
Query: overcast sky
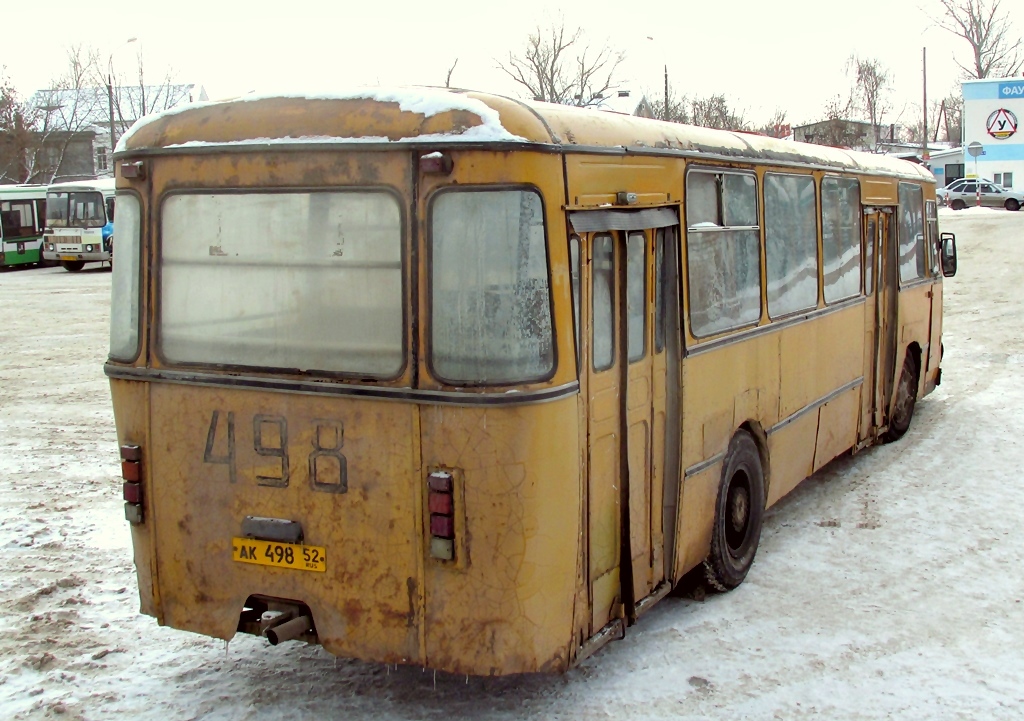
{"points": [[788, 54]]}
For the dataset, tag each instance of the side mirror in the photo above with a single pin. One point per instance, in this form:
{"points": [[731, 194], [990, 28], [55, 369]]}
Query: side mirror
{"points": [[947, 248]]}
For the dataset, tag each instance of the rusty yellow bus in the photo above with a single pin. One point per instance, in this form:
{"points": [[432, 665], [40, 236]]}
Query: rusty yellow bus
{"points": [[448, 379]]}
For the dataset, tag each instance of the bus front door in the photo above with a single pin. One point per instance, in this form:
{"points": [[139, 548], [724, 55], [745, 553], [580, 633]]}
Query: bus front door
{"points": [[881, 280], [619, 423]]}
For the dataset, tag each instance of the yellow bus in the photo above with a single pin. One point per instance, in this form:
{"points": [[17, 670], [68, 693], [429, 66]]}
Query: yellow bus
{"points": [[448, 379]]}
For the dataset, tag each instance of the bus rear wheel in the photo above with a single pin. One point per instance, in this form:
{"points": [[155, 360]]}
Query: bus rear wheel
{"points": [[906, 400], [739, 513], [72, 266]]}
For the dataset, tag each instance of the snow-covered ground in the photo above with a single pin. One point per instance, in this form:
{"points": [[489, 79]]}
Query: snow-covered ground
{"points": [[889, 585]]}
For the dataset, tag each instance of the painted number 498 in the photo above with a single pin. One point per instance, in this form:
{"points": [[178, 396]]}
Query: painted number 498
{"points": [[328, 469]]}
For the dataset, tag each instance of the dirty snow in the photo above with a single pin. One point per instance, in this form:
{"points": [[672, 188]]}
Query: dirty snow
{"points": [[427, 102], [886, 586]]}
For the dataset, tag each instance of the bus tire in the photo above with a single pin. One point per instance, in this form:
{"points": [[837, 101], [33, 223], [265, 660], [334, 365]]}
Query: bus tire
{"points": [[906, 400], [72, 266], [958, 204], [739, 513]]}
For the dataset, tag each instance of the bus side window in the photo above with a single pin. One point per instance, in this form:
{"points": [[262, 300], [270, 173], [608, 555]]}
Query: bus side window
{"points": [[869, 256], [603, 279], [636, 295], [574, 275], [659, 290]]}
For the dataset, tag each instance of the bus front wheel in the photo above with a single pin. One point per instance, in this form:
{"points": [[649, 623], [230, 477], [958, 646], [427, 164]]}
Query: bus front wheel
{"points": [[906, 399], [739, 512], [72, 266]]}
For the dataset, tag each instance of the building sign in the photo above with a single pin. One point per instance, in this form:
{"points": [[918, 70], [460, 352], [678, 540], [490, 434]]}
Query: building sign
{"points": [[1001, 124], [1012, 90]]}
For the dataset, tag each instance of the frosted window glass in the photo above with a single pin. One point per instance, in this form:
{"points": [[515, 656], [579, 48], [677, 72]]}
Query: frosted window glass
{"points": [[911, 229], [840, 237], [124, 287], [791, 243], [296, 281], [490, 299]]}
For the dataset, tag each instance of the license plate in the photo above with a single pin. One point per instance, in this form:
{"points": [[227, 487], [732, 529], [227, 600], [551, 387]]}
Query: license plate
{"points": [[279, 555], [68, 257]]}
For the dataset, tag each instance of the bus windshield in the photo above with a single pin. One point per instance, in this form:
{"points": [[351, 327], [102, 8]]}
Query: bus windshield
{"points": [[83, 209]]}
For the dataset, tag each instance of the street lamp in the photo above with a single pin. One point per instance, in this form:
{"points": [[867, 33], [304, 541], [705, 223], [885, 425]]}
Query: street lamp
{"points": [[651, 38], [110, 92]]}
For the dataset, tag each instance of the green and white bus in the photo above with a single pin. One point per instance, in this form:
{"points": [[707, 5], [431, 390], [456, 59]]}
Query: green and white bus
{"points": [[22, 219]]}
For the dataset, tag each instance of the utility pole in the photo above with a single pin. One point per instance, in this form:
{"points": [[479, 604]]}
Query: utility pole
{"points": [[110, 106], [924, 89], [666, 91]]}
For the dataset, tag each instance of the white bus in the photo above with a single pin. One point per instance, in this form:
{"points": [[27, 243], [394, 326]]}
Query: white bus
{"points": [[79, 223]]}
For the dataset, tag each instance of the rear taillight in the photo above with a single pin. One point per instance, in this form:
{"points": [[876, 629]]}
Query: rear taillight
{"points": [[131, 472], [441, 504]]}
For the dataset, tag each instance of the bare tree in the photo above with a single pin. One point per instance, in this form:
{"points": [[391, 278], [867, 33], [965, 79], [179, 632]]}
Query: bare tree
{"points": [[137, 96], [777, 126], [836, 130], [52, 120], [870, 94], [714, 112], [996, 53], [448, 77], [558, 66]]}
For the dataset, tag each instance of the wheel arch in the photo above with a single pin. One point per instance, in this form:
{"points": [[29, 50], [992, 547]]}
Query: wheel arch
{"points": [[757, 432]]}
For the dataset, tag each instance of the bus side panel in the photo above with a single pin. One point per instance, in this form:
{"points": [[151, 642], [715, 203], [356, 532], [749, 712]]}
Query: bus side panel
{"points": [[915, 304], [723, 389], [219, 455], [935, 341], [131, 409], [697, 516], [837, 427], [506, 605], [791, 450]]}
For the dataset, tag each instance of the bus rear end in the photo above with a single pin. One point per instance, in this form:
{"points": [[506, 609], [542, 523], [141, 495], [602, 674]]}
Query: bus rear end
{"points": [[316, 443]]}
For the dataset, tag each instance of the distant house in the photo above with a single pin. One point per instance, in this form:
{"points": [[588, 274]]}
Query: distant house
{"points": [[627, 102], [88, 114], [36, 157], [851, 134]]}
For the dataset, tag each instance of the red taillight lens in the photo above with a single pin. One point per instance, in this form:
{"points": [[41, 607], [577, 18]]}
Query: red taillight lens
{"points": [[441, 505], [132, 492], [131, 472]]}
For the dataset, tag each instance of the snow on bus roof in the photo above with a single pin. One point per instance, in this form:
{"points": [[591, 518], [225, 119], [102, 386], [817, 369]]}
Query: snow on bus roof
{"points": [[425, 101], [98, 184]]}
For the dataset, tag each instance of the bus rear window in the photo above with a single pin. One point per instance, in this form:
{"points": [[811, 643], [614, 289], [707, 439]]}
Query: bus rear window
{"points": [[297, 281], [75, 210], [489, 294]]}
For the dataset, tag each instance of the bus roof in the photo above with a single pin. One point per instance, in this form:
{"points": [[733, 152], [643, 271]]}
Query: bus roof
{"points": [[441, 116], [104, 185], [22, 191]]}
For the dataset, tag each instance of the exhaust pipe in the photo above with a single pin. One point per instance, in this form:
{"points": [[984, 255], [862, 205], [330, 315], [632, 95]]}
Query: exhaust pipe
{"points": [[289, 630]]}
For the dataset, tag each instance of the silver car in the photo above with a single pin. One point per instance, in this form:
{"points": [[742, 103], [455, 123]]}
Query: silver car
{"points": [[960, 195], [943, 193]]}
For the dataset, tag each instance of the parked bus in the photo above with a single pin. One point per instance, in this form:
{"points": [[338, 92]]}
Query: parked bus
{"points": [[80, 223], [22, 215], [448, 379]]}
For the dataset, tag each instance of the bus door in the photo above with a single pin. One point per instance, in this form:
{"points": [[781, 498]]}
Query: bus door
{"points": [[881, 271], [625, 418]]}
